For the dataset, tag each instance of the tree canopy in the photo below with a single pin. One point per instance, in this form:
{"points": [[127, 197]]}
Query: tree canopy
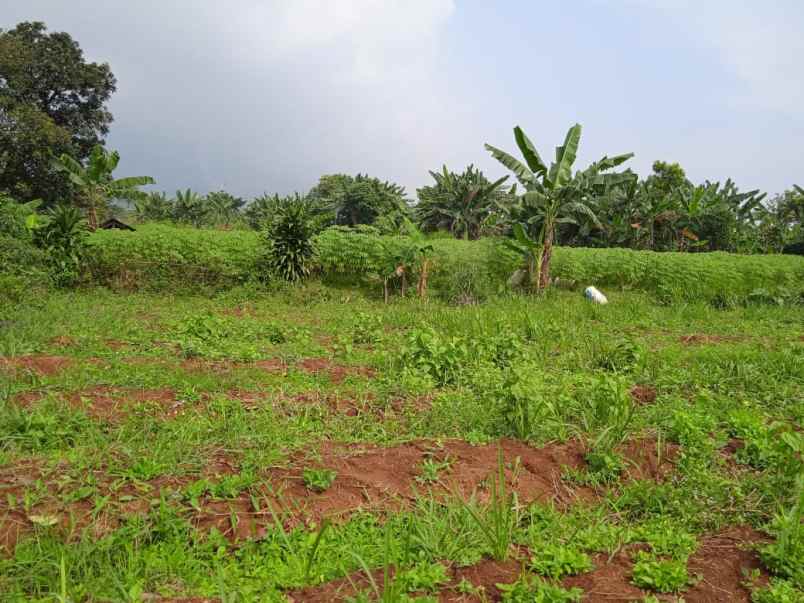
{"points": [[52, 102]]}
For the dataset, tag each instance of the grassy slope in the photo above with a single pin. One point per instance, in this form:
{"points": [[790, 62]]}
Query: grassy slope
{"points": [[734, 383]]}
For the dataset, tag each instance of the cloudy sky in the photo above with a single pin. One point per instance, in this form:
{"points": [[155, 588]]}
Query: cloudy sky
{"points": [[266, 95]]}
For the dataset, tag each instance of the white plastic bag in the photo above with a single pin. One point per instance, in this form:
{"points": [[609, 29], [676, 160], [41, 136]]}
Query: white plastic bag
{"points": [[592, 294]]}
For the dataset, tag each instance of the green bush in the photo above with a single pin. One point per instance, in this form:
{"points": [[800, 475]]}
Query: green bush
{"points": [[287, 241], [158, 257]]}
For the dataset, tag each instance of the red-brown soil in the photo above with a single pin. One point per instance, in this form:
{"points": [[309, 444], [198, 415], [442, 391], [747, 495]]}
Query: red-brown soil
{"points": [[645, 460], [112, 403], [643, 394], [383, 479], [42, 365], [62, 341], [702, 339], [337, 372], [72, 516]]}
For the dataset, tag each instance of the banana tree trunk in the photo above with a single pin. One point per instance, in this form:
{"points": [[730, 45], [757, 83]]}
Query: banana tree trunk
{"points": [[547, 254], [92, 216], [421, 286]]}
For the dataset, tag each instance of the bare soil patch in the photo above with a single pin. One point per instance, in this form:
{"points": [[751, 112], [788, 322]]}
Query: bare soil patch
{"points": [[39, 364], [337, 372], [646, 459], [643, 394], [110, 403], [62, 341], [703, 339]]}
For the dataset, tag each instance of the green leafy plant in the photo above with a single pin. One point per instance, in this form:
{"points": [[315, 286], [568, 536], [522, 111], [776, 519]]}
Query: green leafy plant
{"points": [[63, 237], [460, 203], [444, 359], [660, 575], [785, 557], [528, 589], [430, 470], [556, 561], [318, 480], [778, 591], [618, 355]]}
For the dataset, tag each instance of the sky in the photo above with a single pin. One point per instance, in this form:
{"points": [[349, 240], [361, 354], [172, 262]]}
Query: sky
{"points": [[256, 96]]}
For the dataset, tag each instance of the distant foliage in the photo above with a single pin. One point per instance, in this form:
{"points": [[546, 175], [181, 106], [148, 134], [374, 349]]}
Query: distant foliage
{"points": [[465, 204], [361, 199]]}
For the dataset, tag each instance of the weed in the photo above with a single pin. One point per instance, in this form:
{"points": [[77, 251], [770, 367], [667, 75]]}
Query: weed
{"points": [[556, 561], [528, 589], [498, 520], [431, 469], [318, 480], [660, 575], [785, 557]]}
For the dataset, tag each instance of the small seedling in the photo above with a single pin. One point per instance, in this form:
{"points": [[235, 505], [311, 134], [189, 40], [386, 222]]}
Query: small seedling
{"points": [[431, 469], [319, 480]]}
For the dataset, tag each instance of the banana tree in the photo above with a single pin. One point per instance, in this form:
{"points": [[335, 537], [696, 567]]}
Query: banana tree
{"points": [[95, 183], [554, 195], [461, 203]]}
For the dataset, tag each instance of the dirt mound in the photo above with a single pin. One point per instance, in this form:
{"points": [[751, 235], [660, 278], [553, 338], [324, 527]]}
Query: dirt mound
{"points": [[41, 365], [383, 479], [720, 563], [723, 560], [59, 507], [646, 459]]}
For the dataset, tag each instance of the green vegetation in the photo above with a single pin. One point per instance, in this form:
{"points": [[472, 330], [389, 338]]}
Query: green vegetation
{"points": [[309, 397]]}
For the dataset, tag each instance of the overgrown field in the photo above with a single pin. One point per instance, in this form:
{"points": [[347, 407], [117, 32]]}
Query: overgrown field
{"points": [[315, 444], [159, 257]]}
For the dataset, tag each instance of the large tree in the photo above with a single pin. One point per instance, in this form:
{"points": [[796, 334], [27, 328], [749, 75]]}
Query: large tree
{"points": [[52, 102]]}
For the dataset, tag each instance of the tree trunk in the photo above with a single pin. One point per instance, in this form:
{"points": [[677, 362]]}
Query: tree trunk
{"points": [[92, 216], [421, 286], [385, 289], [547, 254]]}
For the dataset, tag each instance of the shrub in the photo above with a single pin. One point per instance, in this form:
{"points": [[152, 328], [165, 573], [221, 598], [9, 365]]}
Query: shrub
{"points": [[63, 237], [287, 240]]}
